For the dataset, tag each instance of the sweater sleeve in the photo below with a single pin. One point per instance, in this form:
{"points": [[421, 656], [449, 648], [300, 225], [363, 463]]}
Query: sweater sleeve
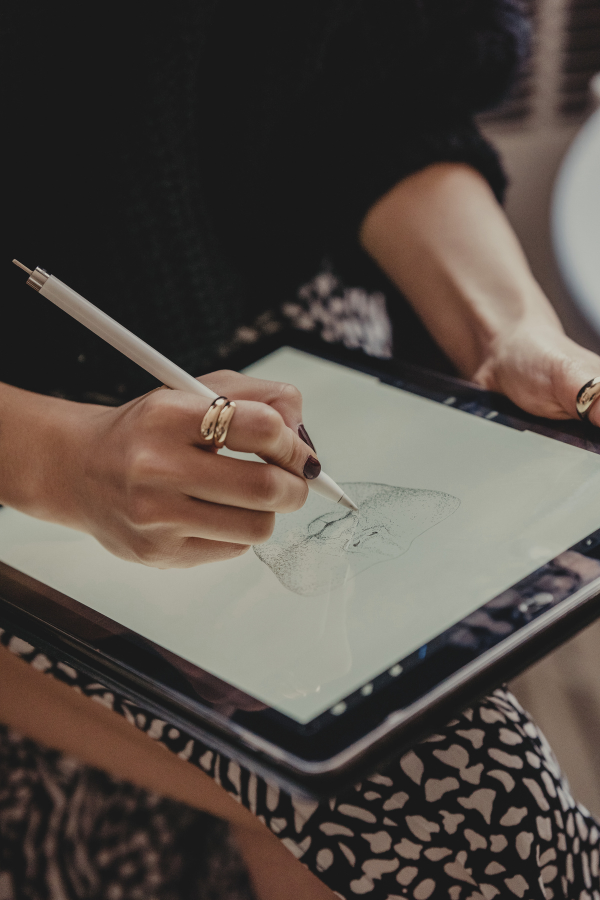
{"points": [[398, 87]]}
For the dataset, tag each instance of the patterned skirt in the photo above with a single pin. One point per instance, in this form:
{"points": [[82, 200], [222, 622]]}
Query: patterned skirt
{"points": [[478, 810]]}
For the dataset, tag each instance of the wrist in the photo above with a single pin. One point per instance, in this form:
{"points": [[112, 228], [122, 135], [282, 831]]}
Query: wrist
{"points": [[41, 451], [495, 326], [442, 238]]}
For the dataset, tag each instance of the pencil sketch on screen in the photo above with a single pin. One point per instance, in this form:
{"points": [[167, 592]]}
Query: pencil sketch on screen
{"points": [[321, 546]]}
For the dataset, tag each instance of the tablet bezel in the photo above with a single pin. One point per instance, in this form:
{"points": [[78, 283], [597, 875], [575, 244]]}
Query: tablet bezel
{"points": [[338, 747]]}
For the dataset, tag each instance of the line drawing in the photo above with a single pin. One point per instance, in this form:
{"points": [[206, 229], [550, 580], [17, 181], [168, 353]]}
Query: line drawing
{"points": [[319, 548]]}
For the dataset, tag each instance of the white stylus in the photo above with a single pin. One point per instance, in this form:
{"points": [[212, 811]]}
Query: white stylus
{"points": [[145, 356]]}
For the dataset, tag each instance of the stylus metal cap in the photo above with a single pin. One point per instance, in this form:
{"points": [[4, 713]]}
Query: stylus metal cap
{"points": [[38, 278]]}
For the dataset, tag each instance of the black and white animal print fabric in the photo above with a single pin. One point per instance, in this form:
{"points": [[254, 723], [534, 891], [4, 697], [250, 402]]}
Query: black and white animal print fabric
{"points": [[68, 831], [476, 811]]}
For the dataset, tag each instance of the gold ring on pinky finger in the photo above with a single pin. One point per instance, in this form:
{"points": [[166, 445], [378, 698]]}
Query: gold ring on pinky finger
{"points": [[223, 423], [588, 394], [209, 422]]}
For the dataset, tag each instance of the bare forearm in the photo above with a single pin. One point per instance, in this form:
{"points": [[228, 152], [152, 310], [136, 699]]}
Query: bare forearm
{"points": [[445, 241], [33, 429], [141, 479]]}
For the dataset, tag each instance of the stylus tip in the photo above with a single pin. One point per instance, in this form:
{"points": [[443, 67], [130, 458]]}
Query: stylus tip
{"points": [[21, 266], [347, 502]]}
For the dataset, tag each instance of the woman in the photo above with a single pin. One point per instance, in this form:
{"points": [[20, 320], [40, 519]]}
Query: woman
{"points": [[199, 170]]}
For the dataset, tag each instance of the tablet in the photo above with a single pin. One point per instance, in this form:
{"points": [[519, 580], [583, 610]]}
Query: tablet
{"points": [[346, 636]]}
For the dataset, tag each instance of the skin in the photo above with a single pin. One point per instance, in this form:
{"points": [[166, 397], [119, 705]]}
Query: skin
{"points": [[140, 478], [54, 714], [444, 240], [135, 478]]}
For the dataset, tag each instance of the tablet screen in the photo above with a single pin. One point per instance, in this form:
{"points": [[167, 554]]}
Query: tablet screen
{"points": [[453, 510]]}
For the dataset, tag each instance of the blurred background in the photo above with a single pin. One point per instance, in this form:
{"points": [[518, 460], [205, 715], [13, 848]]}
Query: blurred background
{"points": [[533, 130], [535, 126]]}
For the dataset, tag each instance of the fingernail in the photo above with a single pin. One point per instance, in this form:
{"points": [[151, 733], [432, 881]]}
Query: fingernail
{"points": [[312, 468], [303, 435]]}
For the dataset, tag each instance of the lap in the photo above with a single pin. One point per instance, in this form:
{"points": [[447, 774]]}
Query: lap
{"points": [[479, 809]]}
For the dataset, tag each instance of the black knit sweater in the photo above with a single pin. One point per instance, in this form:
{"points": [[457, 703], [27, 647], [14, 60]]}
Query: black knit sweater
{"points": [[186, 169]]}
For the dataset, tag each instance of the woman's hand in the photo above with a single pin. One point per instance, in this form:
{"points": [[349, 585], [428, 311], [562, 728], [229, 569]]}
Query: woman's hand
{"points": [[141, 479], [540, 369], [442, 237]]}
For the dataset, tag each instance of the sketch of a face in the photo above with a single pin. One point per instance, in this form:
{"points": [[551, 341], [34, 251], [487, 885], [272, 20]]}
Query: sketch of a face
{"points": [[321, 546]]}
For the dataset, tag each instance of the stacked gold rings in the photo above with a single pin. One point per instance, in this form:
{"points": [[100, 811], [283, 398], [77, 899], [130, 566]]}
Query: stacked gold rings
{"points": [[587, 396], [217, 420]]}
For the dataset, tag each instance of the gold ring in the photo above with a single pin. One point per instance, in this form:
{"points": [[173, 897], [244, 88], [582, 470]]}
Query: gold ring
{"points": [[209, 422], [223, 422], [586, 396]]}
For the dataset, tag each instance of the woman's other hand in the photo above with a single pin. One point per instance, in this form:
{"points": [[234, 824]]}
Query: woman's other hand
{"points": [[141, 479], [540, 369], [442, 237]]}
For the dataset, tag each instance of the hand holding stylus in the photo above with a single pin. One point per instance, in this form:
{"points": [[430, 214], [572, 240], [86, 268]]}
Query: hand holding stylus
{"points": [[151, 360], [140, 479], [167, 500]]}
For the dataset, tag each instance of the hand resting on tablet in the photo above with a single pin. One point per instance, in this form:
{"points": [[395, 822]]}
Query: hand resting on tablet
{"points": [[140, 478]]}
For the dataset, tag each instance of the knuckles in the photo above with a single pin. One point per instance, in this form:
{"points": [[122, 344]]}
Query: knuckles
{"points": [[214, 551], [268, 489], [268, 424], [165, 412], [224, 381], [260, 527], [302, 496], [157, 406], [274, 491], [141, 511], [181, 554], [145, 465], [290, 396], [225, 375], [154, 557]]}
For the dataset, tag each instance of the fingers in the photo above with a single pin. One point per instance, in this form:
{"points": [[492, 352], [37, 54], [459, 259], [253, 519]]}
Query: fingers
{"points": [[174, 418], [152, 513], [255, 427], [580, 375], [197, 552], [173, 501], [258, 428], [574, 366], [190, 552], [579, 366], [233, 482], [230, 524], [285, 398], [594, 414], [542, 370]]}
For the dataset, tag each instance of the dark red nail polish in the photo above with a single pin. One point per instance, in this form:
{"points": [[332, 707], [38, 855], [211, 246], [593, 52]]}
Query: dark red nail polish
{"points": [[312, 468], [303, 435]]}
